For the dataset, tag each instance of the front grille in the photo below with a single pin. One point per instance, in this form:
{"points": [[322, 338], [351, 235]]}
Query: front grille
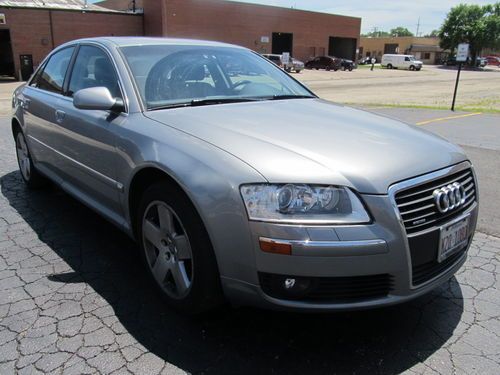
{"points": [[416, 204], [330, 289]]}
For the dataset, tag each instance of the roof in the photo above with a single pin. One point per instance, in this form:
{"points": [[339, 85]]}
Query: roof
{"points": [[125, 41], [79, 5]]}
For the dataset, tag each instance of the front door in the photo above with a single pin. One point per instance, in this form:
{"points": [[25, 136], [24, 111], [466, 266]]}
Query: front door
{"points": [[88, 139]]}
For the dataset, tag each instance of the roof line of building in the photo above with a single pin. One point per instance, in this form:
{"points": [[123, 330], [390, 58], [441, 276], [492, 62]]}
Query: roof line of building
{"points": [[293, 9], [83, 10]]}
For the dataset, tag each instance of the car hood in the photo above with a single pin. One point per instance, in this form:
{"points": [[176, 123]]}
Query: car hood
{"points": [[314, 141]]}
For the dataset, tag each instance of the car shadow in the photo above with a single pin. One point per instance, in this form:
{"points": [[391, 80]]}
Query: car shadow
{"points": [[243, 340]]}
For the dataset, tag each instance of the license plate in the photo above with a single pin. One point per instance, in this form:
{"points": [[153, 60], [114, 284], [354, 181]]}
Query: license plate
{"points": [[453, 237]]}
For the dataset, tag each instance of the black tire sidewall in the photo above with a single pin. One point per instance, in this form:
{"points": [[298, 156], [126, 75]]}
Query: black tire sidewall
{"points": [[36, 180], [205, 293]]}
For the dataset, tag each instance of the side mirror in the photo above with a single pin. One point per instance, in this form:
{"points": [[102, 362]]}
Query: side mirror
{"points": [[97, 98]]}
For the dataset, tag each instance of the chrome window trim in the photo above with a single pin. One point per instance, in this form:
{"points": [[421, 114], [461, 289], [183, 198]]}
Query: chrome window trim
{"points": [[413, 182]]}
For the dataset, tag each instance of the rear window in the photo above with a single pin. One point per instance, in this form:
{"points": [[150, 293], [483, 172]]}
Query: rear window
{"points": [[51, 78]]}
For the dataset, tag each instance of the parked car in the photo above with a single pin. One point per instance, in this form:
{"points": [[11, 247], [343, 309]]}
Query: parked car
{"points": [[481, 62], [493, 60], [450, 61], [365, 60], [298, 65], [391, 61], [278, 60], [347, 64], [324, 62], [226, 191]]}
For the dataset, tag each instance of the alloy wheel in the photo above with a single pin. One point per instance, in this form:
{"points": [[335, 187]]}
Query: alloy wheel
{"points": [[167, 249], [23, 157]]}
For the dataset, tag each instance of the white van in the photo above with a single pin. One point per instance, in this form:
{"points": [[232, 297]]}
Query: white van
{"points": [[401, 62]]}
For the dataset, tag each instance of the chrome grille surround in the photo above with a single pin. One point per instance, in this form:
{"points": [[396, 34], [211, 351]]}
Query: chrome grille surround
{"points": [[419, 181], [418, 209]]}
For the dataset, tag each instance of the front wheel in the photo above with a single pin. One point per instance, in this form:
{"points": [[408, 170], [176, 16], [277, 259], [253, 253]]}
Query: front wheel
{"points": [[177, 251], [412, 67], [31, 177]]}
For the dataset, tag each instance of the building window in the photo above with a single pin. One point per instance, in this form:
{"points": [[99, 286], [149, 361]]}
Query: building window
{"points": [[391, 48], [427, 55]]}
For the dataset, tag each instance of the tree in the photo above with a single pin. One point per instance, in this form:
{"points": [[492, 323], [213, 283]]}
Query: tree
{"points": [[432, 34], [474, 24], [401, 31], [377, 34]]}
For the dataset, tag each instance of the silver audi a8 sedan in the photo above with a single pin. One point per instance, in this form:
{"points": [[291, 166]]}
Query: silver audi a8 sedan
{"points": [[238, 183]]}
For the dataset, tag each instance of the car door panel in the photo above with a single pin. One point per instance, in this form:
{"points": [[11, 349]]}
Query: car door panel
{"points": [[87, 137], [88, 145], [39, 110]]}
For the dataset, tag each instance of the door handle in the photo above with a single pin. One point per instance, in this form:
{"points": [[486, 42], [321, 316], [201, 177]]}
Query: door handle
{"points": [[25, 103], [60, 115]]}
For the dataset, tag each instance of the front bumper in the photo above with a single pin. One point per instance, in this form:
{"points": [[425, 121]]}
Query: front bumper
{"points": [[346, 256]]}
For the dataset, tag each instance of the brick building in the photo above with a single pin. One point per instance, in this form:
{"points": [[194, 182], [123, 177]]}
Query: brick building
{"points": [[266, 29], [34, 27], [424, 49], [30, 29]]}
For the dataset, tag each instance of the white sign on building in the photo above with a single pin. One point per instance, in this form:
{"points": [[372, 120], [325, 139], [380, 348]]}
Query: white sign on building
{"points": [[264, 39], [3, 21]]}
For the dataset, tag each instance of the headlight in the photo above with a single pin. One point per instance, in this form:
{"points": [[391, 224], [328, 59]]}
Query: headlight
{"points": [[308, 204]]}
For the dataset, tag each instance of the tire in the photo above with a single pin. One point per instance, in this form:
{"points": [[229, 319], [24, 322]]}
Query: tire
{"points": [[176, 250], [298, 71], [350, 68], [30, 175], [389, 66], [412, 67], [327, 68]]}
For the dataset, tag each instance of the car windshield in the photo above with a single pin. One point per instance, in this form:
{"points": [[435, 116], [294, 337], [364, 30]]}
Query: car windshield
{"points": [[171, 76]]}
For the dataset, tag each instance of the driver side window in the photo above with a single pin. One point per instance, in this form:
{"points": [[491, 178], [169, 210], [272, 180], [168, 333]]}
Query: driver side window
{"points": [[93, 68], [407, 59]]}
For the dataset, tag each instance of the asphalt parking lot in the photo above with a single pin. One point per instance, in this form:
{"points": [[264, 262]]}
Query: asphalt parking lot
{"points": [[74, 300]]}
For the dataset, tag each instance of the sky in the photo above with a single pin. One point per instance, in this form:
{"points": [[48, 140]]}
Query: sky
{"points": [[381, 14]]}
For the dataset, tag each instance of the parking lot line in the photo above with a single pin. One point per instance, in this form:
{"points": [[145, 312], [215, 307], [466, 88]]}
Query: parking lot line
{"points": [[448, 118]]}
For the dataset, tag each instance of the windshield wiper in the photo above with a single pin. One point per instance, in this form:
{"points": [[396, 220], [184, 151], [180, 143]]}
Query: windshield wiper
{"points": [[201, 102]]}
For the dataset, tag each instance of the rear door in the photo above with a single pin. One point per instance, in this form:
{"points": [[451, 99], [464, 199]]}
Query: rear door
{"points": [[40, 105]]}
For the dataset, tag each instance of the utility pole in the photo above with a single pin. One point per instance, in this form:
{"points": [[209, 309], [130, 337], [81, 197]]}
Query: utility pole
{"points": [[418, 27]]}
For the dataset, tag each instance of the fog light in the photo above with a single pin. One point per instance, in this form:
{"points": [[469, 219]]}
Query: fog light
{"points": [[289, 283], [287, 286]]}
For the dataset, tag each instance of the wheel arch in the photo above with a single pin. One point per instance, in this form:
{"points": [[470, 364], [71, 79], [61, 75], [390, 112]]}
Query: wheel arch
{"points": [[15, 126], [145, 177]]}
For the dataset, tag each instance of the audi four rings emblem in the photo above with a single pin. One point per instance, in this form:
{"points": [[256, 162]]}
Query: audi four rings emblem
{"points": [[449, 197]]}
